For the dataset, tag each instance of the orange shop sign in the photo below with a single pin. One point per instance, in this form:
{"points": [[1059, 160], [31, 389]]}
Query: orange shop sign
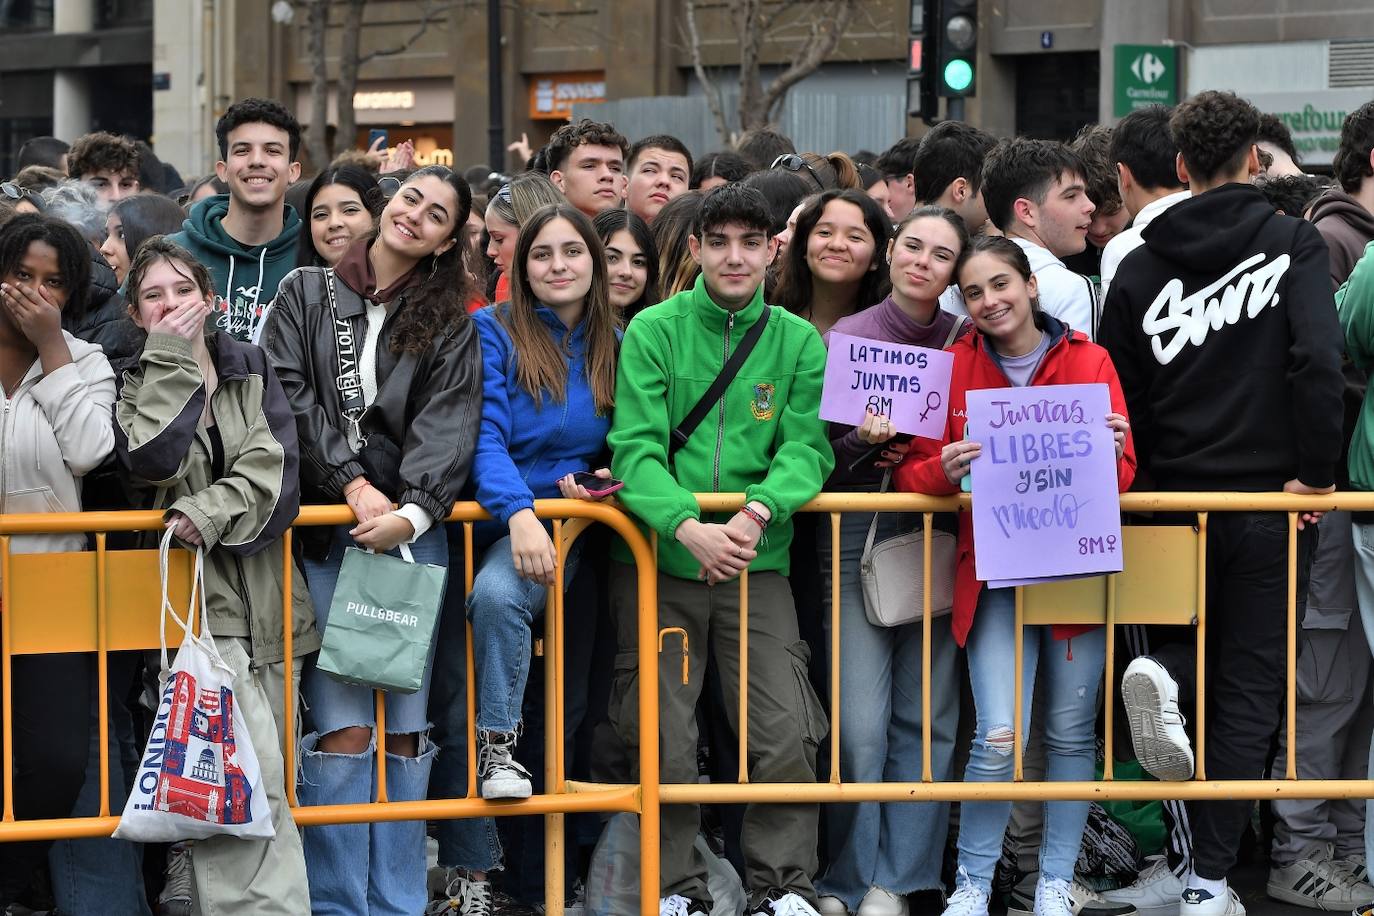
{"points": [[552, 95]]}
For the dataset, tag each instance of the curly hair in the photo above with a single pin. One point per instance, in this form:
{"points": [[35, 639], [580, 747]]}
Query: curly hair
{"points": [[439, 303], [1351, 164], [257, 111], [1093, 146], [1292, 194], [540, 367], [1214, 132], [77, 203], [73, 256], [1273, 130], [1023, 168], [161, 248], [796, 283], [570, 136], [101, 151]]}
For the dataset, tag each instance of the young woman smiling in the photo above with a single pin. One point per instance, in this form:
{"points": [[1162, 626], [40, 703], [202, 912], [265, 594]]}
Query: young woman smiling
{"points": [[833, 265], [1016, 344], [341, 206], [410, 441], [631, 261], [549, 364], [880, 852]]}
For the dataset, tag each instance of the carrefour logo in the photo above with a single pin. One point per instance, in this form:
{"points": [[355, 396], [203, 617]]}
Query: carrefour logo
{"points": [[1147, 68]]}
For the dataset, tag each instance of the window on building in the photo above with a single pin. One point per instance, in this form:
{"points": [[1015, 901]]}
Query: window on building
{"points": [[26, 15], [114, 14]]}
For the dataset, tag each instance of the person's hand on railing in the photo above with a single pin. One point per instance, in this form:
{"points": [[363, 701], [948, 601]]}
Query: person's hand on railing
{"points": [[956, 457], [185, 529], [723, 552], [570, 489], [1297, 486], [531, 548], [1119, 429]]}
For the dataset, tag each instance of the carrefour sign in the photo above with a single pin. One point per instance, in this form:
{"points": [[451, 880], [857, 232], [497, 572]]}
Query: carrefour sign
{"points": [[1144, 75], [1314, 117]]}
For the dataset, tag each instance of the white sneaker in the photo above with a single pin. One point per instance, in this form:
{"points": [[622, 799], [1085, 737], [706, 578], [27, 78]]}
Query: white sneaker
{"points": [[1156, 890], [788, 904], [462, 896], [678, 905], [1355, 867], [1053, 897], [880, 901], [832, 906], [1151, 699], [967, 899], [1319, 884], [1086, 901], [499, 774], [1197, 902]]}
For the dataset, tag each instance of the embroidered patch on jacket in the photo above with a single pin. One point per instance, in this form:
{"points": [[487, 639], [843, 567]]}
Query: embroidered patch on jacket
{"points": [[763, 402]]}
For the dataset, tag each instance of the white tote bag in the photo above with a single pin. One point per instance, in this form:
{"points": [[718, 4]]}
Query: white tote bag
{"points": [[198, 776]]}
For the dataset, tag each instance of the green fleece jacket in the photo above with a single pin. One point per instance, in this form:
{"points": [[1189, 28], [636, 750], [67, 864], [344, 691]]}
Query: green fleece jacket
{"points": [[1355, 303], [764, 437]]}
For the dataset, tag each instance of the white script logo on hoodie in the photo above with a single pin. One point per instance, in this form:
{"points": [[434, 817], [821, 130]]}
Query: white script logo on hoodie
{"points": [[1251, 285]]}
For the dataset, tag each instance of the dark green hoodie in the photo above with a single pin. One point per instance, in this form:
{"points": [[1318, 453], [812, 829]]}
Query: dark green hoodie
{"points": [[245, 279]]}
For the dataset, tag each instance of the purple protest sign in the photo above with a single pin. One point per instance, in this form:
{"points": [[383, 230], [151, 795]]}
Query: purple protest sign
{"points": [[908, 385], [1045, 500]]}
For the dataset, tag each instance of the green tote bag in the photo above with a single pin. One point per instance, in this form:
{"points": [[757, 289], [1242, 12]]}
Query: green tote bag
{"points": [[382, 620]]}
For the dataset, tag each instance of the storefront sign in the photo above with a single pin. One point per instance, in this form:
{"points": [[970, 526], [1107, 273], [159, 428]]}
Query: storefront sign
{"points": [[1315, 118], [1045, 501], [1144, 75], [908, 385], [552, 95], [372, 101]]}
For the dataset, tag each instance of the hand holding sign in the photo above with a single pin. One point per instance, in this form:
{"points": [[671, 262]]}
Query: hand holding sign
{"points": [[902, 384]]}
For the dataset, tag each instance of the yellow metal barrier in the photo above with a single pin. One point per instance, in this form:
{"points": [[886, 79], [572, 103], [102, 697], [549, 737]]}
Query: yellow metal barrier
{"points": [[105, 596]]}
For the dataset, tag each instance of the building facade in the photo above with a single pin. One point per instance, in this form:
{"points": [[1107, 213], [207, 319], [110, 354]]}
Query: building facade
{"points": [[1044, 67]]}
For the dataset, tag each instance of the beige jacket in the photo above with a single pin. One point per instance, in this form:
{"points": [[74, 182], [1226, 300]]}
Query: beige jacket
{"points": [[54, 429]]}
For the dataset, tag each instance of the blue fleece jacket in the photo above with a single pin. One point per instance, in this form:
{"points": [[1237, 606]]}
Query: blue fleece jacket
{"points": [[525, 446]]}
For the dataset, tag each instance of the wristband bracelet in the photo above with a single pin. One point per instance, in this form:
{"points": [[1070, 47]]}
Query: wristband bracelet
{"points": [[348, 493], [755, 517]]}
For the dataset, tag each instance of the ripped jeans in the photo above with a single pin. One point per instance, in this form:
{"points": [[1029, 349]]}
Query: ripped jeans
{"points": [[364, 869], [1074, 673]]}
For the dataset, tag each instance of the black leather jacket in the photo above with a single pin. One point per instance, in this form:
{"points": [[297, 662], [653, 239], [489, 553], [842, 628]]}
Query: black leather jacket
{"points": [[428, 404]]}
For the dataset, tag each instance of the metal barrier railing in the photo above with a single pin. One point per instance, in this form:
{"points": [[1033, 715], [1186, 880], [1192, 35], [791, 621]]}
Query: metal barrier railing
{"points": [[563, 796]]}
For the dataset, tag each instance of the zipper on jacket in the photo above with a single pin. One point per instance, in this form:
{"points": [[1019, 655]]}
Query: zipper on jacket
{"points": [[6, 446], [720, 407]]}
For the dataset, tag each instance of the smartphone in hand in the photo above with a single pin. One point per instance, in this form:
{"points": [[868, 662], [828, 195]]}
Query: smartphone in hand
{"points": [[597, 486]]}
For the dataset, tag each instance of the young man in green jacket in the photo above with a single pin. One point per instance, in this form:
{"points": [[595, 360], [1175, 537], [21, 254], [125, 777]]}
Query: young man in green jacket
{"points": [[763, 438]]}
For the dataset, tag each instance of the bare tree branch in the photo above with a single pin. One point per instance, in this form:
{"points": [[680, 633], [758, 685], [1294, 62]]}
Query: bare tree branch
{"points": [[713, 94], [825, 33], [429, 11]]}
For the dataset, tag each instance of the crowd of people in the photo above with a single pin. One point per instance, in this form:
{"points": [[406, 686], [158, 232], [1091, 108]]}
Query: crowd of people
{"points": [[628, 317]]}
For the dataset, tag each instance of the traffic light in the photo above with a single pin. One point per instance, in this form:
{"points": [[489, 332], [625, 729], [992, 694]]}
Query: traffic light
{"points": [[956, 37], [921, 100]]}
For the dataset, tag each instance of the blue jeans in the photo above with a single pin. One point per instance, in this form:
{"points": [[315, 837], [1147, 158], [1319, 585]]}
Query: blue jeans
{"points": [[1073, 671], [364, 869], [898, 846]]}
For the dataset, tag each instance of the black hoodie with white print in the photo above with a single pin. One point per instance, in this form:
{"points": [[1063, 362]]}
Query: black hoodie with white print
{"points": [[1223, 329]]}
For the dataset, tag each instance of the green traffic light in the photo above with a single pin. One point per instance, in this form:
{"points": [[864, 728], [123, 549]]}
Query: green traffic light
{"points": [[958, 75]]}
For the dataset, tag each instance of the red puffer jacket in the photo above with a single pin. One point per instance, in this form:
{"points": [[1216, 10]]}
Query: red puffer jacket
{"points": [[1072, 359]]}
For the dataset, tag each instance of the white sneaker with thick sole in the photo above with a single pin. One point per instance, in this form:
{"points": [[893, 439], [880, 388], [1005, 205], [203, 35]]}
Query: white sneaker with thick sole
{"points": [[1198, 902], [1086, 901], [1150, 695], [1319, 884], [1053, 897], [1156, 890], [500, 776], [880, 901]]}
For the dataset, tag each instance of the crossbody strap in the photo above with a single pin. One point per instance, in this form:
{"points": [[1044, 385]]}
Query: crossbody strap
{"points": [[1095, 302], [873, 526], [348, 381], [684, 430]]}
